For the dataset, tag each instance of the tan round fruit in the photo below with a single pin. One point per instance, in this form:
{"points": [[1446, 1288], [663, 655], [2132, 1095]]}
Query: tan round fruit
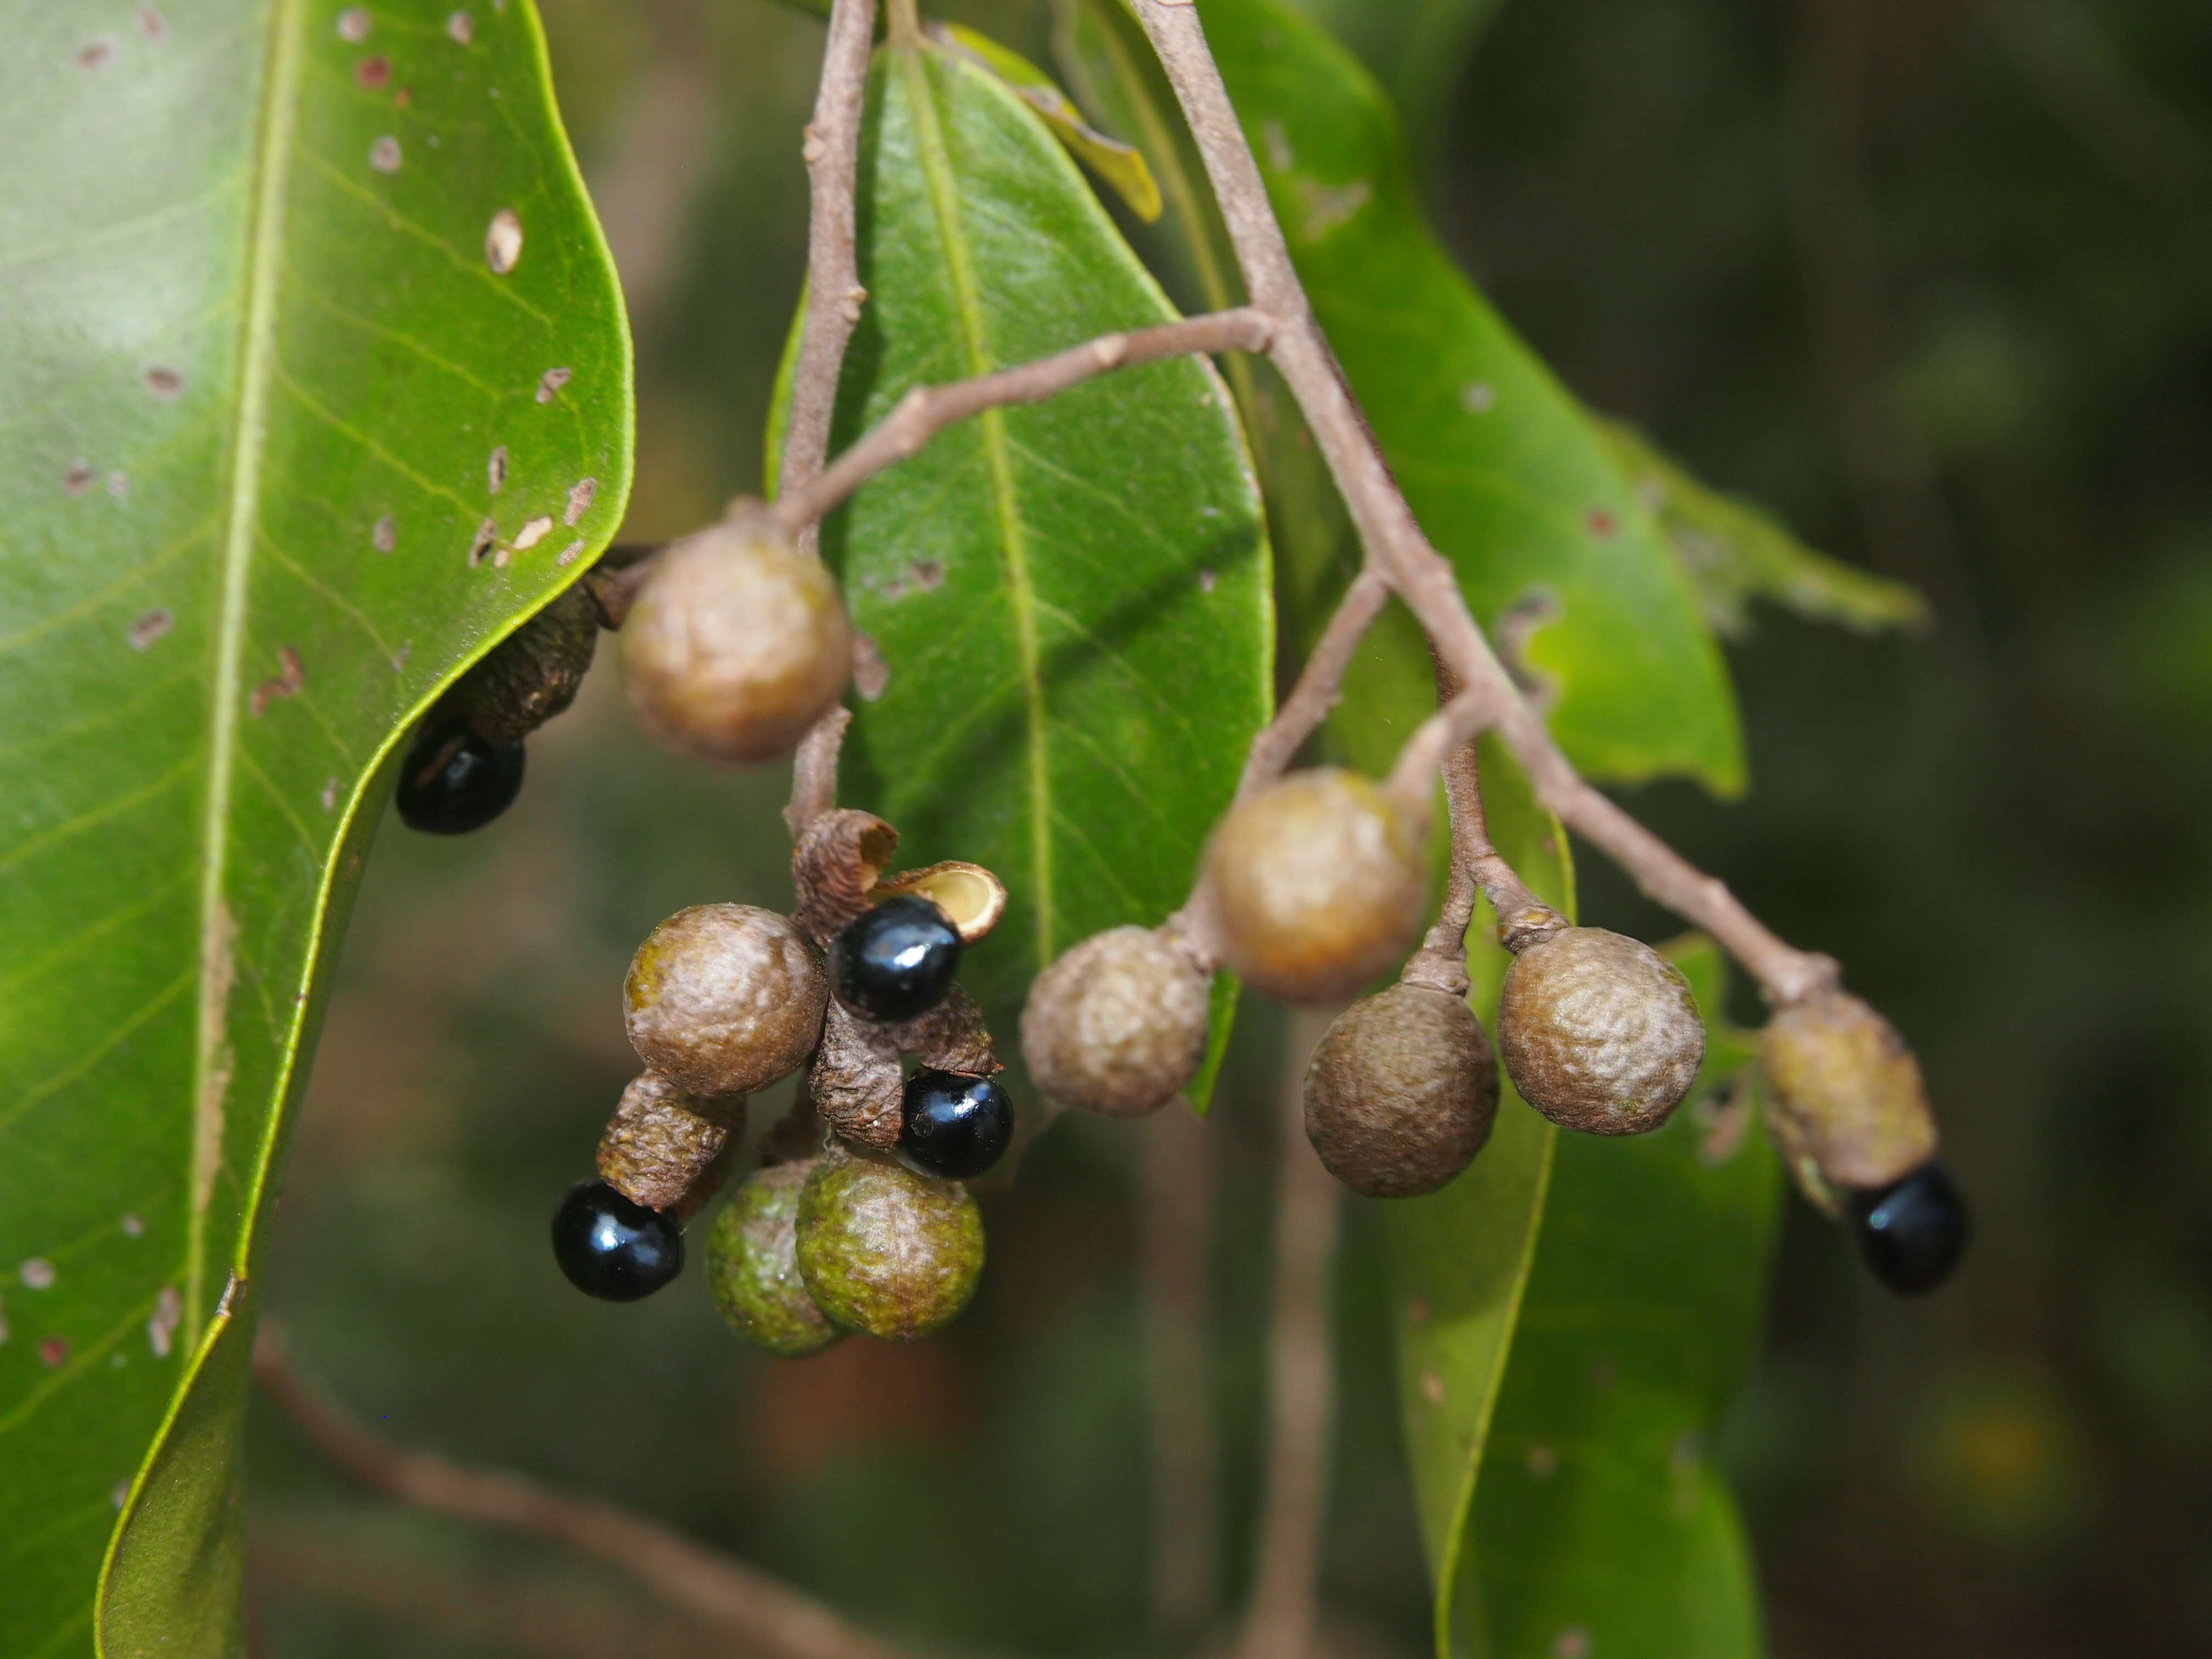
{"points": [[1599, 1032], [1849, 1089], [1401, 1092], [885, 1250], [752, 1267], [1319, 883], [724, 998], [1118, 1024], [735, 645]]}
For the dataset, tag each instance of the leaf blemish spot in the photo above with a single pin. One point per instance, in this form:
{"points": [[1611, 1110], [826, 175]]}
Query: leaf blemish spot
{"points": [[133, 1227], [162, 1327], [286, 683], [495, 471], [579, 500], [328, 798], [119, 484], [399, 658], [53, 1350], [164, 383], [928, 574], [461, 27], [36, 1273], [353, 24], [503, 241], [1207, 579], [568, 553], [533, 533], [1602, 523], [150, 628], [1432, 1387], [384, 154], [373, 73], [152, 24], [1572, 1642], [383, 534], [78, 478], [119, 1493], [1477, 397], [1543, 1462], [480, 544], [871, 673], [1416, 1310], [92, 56], [551, 381]]}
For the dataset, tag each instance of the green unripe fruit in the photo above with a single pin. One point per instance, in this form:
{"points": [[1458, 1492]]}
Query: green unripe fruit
{"points": [[724, 998], [887, 1251], [752, 1266], [1845, 1092], [1401, 1092], [1599, 1032], [735, 645], [1118, 1024], [1319, 883]]}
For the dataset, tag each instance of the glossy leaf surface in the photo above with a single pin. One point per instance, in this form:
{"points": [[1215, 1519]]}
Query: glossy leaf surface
{"points": [[1509, 476], [317, 385], [1599, 1524], [1072, 598]]}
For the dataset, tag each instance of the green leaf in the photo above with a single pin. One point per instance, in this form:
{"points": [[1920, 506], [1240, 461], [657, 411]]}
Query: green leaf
{"points": [[1461, 1258], [1120, 165], [1071, 596], [1417, 49], [1736, 551], [258, 365], [1598, 1524], [1510, 479]]}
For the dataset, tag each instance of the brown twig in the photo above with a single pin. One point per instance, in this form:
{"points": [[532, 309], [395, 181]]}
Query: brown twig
{"points": [[926, 411], [1319, 684], [736, 1598], [1395, 544], [1281, 1621]]}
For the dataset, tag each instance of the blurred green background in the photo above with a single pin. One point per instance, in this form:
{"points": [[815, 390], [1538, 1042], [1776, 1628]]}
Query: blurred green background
{"points": [[1933, 279]]}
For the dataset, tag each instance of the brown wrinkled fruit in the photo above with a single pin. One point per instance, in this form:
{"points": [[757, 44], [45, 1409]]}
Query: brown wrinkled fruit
{"points": [[1319, 883], [1599, 1032], [885, 1250], [752, 1266], [735, 645], [664, 1147], [724, 998], [1401, 1092], [1118, 1024], [1849, 1089], [532, 675]]}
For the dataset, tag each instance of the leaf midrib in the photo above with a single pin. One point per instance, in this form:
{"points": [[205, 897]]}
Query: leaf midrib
{"points": [[273, 140], [1021, 594]]}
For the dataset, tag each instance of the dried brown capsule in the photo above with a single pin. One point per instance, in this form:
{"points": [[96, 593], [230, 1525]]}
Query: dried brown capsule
{"points": [[752, 1266], [1319, 882], [1118, 1024], [736, 643], [1599, 1032], [1847, 1091], [856, 1083], [724, 998], [1401, 1092], [834, 864], [950, 1038], [532, 675], [885, 1250], [665, 1148]]}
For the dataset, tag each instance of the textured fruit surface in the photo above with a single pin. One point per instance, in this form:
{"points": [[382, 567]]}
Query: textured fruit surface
{"points": [[1850, 1088], [951, 1126], [1320, 882], [1401, 1093], [534, 673], [895, 960], [724, 998], [752, 1268], [1599, 1031], [664, 1143], [1912, 1232], [1118, 1024], [612, 1248], [885, 1250], [452, 782], [735, 645]]}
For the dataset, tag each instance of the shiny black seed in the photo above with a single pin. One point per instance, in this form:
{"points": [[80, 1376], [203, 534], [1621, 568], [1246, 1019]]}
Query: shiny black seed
{"points": [[1913, 1231], [612, 1248], [896, 960], [452, 782], [951, 1126]]}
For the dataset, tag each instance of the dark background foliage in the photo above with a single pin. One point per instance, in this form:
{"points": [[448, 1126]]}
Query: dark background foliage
{"points": [[1932, 279]]}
